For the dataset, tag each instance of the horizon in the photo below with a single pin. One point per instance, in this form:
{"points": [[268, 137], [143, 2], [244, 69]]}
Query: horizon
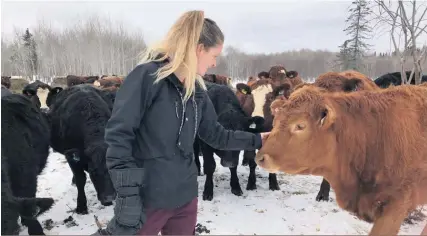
{"points": [[252, 27]]}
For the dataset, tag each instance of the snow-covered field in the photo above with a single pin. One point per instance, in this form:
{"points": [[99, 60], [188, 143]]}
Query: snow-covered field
{"points": [[292, 210]]}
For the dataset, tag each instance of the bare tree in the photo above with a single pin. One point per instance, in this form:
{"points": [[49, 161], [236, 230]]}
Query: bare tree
{"points": [[407, 22]]}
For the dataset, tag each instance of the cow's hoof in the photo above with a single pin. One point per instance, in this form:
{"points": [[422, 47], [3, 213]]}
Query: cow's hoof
{"points": [[82, 211], [237, 191], [274, 186], [322, 196], [251, 186], [207, 196]]}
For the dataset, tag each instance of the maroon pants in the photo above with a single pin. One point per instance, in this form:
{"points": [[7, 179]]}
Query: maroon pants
{"points": [[179, 221]]}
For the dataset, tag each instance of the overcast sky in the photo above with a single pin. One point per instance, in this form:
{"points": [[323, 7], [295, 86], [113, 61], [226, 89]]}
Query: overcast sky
{"points": [[270, 26]]}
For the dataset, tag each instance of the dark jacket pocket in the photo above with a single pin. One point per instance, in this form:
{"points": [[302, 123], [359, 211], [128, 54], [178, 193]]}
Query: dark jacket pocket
{"points": [[129, 210]]}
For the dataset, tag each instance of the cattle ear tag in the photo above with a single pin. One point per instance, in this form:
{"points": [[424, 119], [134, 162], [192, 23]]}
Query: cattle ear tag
{"points": [[281, 92], [244, 91], [252, 126]]}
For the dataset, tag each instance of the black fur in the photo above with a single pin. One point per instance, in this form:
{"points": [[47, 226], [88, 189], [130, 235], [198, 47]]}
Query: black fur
{"points": [[78, 116], [395, 79], [30, 90], [25, 142], [232, 117]]}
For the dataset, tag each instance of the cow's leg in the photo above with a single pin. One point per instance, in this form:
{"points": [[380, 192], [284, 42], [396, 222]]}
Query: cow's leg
{"points": [[25, 185], [234, 179], [245, 160], [196, 150], [80, 177], [209, 166], [323, 194], [272, 181], [252, 166], [394, 212], [98, 173]]}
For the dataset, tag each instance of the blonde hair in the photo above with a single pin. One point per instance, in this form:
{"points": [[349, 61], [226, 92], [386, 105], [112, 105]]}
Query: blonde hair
{"points": [[180, 45]]}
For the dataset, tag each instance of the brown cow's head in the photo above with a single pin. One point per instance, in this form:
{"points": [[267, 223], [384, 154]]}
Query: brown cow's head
{"points": [[218, 79], [275, 71], [302, 129], [347, 81]]}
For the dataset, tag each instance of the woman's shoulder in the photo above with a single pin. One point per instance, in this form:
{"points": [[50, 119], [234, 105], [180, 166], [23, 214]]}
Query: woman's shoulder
{"points": [[149, 67]]}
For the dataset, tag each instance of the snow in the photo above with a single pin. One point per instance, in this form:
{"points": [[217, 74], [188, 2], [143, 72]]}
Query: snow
{"points": [[292, 210]]}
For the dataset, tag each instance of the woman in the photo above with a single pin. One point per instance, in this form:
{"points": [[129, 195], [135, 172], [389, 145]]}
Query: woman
{"points": [[157, 113]]}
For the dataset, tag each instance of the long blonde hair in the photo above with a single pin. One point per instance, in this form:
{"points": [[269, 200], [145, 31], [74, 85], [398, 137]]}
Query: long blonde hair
{"points": [[180, 45]]}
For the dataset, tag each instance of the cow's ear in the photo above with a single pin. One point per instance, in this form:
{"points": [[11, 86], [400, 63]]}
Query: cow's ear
{"points": [[327, 117], [351, 85], [277, 105], [243, 88], [29, 92], [55, 90]]}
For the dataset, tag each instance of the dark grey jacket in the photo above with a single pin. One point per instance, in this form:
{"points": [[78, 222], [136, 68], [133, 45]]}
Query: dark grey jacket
{"points": [[150, 138]]}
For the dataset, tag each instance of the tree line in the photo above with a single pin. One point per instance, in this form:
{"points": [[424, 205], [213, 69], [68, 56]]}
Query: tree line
{"points": [[103, 47]]}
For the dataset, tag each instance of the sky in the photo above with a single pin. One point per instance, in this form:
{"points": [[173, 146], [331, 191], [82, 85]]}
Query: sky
{"points": [[252, 26]]}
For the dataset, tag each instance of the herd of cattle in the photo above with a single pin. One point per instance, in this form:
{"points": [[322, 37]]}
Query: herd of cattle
{"points": [[365, 137]]}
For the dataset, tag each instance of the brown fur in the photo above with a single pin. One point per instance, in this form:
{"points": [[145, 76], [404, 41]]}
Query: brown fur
{"points": [[373, 145], [246, 100], [259, 83], [276, 105], [109, 81], [275, 71], [340, 81], [251, 81], [217, 79], [368, 84], [75, 80]]}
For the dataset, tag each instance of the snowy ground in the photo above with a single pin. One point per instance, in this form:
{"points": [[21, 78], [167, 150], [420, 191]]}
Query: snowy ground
{"points": [[292, 210]]}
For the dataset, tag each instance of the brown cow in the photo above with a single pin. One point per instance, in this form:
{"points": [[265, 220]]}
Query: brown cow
{"points": [[251, 81], [76, 80], [275, 71], [217, 79], [264, 92], [346, 81], [108, 81], [373, 146]]}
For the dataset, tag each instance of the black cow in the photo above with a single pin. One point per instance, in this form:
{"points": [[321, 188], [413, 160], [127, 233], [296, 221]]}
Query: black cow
{"points": [[395, 78], [25, 143], [78, 116], [232, 117], [12, 207], [30, 90]]}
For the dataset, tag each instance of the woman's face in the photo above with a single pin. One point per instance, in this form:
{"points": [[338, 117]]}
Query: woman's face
{"points": [[206, 57]]}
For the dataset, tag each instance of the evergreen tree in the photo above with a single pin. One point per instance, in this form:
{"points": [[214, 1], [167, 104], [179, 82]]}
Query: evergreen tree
{"points": [[31, 48], [354, 49], [343, 57]]}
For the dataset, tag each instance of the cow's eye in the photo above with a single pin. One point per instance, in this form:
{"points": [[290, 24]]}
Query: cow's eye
{"points": [[299, 127]]}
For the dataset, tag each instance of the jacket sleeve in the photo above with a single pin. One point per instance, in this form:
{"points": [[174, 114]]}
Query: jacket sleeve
{"points": [[132, 99], [214, 134]]}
